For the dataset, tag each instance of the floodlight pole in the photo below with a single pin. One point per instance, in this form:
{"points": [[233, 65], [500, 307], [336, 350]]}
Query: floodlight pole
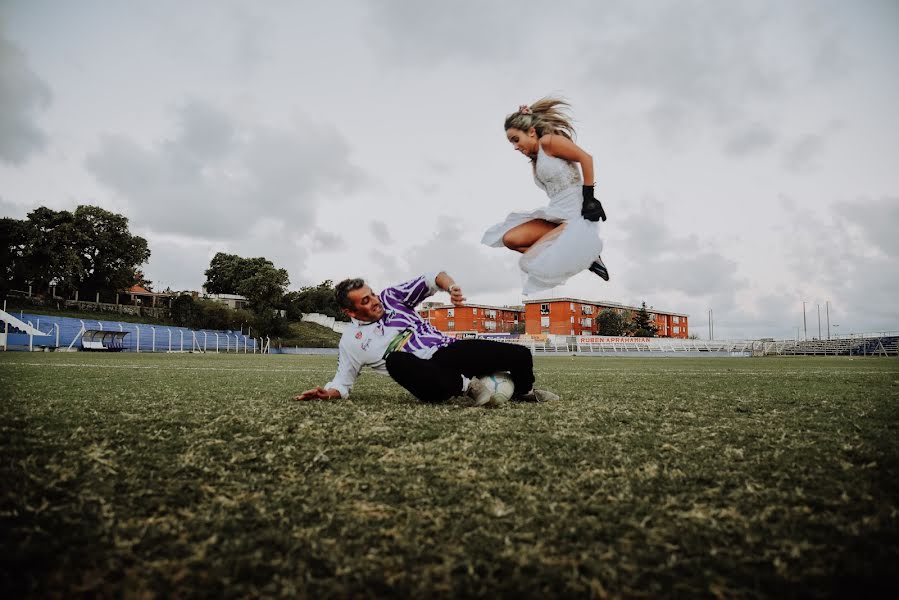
{"points": [[804, 325], [819, 321], [827, 312]]}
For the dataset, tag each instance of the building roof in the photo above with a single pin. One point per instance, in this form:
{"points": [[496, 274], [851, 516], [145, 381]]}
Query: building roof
{"points": [[605, 303], [466, 305], [139, 290]]}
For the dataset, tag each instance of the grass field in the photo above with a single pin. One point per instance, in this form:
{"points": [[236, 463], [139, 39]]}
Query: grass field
{"points": [[197, 476]]}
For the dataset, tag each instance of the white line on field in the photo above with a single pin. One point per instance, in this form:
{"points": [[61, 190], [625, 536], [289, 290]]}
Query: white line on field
{"points": [[627, 372], [153, 367]]}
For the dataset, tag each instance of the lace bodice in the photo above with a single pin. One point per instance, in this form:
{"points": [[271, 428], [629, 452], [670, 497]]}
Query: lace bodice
{"points": [[555, 175]]}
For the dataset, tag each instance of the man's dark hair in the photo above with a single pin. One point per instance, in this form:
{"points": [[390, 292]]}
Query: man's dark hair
{"points": [[343, 289]]}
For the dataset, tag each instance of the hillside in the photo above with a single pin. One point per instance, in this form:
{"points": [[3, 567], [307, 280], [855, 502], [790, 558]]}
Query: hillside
{"points": [[308, 335]]}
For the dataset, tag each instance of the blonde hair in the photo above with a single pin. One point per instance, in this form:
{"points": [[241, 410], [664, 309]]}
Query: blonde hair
{"points": [[546, 116]]}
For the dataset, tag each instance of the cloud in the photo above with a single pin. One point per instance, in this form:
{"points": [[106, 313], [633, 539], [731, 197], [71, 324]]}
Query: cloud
{"points": [[749, 140], [477, 268], [801, 153], [325, 241], [380, 231], [876, 220], [428, 33], [177, 262], [23, 95], [217, 176], [847, 257], [12, 211], [665, 262]]}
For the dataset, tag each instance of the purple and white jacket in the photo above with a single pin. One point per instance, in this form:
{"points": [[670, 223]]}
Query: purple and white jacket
{"points": [[401, 329]]}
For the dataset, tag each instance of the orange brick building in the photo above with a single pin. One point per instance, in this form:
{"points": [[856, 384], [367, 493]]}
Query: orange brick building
{"points": [[570, 316], [473, 318]]}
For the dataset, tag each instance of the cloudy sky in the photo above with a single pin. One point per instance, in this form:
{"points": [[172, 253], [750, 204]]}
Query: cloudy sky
{"points": [[746, 151]]}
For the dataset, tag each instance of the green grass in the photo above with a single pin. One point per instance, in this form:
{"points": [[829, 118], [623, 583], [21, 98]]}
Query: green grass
{"points": [[197, 475], [308, 335]]}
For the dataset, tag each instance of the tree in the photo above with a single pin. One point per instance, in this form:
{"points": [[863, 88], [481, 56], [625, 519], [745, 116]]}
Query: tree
{"points": [[184, 311], [612, 322], [110, 255], [314, 299], [12, 248], [89, 250], [51, 251], [265, 288], [257, 279], [641, 325]]}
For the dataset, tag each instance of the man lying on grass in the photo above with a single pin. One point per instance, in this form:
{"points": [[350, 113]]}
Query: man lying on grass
{"points": [[388, 335]]}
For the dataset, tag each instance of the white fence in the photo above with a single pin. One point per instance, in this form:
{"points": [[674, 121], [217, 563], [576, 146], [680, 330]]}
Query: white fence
{"points": [[329, 322], [855, 345]]}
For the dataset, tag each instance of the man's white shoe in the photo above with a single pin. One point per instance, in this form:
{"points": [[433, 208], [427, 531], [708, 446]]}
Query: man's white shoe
{"points": [[479, 392], [536, 395]]}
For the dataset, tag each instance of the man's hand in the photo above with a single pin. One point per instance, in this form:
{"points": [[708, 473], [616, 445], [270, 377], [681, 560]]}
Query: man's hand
{"points": [[318, 393], [456, 296]]}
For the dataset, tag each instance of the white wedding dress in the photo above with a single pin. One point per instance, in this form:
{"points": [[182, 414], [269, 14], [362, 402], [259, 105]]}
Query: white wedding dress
{"points": [[566, 250]]}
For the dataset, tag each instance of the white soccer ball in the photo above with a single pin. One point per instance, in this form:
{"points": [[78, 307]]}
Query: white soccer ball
{"points": [[500, 385]]}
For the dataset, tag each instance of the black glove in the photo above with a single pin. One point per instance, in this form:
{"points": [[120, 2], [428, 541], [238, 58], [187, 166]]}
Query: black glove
{"points": [[592, 208]]}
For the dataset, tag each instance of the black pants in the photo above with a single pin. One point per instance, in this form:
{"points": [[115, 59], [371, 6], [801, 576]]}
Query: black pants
{"points": [[439, 378]]}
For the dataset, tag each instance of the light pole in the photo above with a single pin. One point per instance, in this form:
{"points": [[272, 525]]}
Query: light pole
{"points": [[819, 321], [711, 326], [804, 325], [827, 312]]}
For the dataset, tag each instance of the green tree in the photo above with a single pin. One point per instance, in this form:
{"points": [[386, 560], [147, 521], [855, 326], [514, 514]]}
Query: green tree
{"points": [[314, 299], [89, 250], [13, 243], [184, 311], [257, 279], [642, 325], [51, 254], [110, 255], [613, 322]]}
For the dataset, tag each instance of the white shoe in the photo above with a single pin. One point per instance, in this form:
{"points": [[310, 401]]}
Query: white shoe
{"points": [[536, 395]]}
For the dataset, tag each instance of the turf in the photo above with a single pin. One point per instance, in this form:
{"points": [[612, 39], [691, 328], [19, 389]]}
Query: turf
{"points": [[198, 476]]}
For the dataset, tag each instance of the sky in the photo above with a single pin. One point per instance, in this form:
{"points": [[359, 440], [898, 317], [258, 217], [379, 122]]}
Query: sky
{"points": [[745, 151]]}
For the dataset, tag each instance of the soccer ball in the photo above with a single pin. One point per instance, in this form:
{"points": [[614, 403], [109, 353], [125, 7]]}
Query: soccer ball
{"points": [[500, 385]]}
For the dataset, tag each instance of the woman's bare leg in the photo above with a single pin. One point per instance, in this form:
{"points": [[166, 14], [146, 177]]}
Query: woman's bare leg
{"points": [[523, 236]]}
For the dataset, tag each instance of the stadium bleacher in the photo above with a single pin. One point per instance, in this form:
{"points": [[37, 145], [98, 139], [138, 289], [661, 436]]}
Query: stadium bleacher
{"points": [[65, 334]]}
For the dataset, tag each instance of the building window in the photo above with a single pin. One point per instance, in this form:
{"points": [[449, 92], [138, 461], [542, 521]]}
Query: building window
{"points": [[474, 311], [571, 304], [586, 309], [544, 322], [677, 330], [572, 319], [450, 324], [490, 325], [676, 319], [450, 312], [491, 314], [586, 322], [544, 309]]}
